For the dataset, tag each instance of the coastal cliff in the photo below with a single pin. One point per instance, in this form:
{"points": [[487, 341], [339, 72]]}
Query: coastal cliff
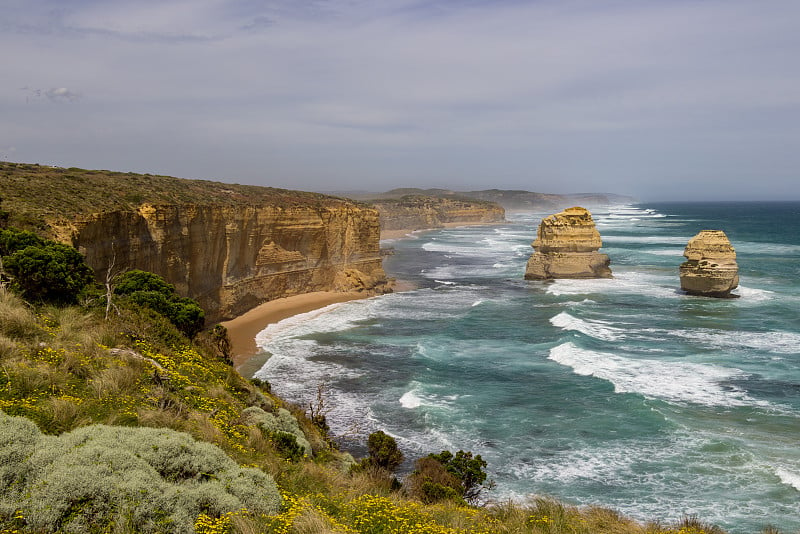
{"points": [[417, 212], [567, 245], [229, 247]]}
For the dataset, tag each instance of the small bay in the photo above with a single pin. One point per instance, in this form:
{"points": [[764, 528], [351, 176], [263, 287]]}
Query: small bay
{"points": [[623, 392]]}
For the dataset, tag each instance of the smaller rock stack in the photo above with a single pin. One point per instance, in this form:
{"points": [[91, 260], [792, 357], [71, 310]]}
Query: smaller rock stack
{"points": [[566, 247], [710, 268]]}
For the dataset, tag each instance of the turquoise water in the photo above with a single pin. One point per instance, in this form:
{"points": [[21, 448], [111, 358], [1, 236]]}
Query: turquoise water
{"points": [[623, 392]]}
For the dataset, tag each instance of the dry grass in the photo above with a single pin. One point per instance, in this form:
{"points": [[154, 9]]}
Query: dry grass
{"points": [[74, 324], [17, 320], [64, 415], [116, 380], [28, 379], [8, 348], [241, 524], [312, 521]]}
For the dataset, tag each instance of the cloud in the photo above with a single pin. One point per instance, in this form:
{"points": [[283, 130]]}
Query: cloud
{"points": [[54, 94], [61, 94], [608, 94]]}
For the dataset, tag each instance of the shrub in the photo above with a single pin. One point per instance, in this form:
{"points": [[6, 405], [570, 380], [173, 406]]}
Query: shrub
{"points": [[272, 426], [467, 469], [137, 280], [287, 445], [383, 451], [187, 316], [431, 482], [12, 240], [152, 480], [151, 291], [51, 272]]}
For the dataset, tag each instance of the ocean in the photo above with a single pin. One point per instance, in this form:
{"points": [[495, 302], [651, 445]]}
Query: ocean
{"points": [[623, 393]]}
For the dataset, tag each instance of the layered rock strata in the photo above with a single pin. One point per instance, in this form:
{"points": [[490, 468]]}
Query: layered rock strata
{"points": [[710, 268], [567, 245], [231, 258], [415, 212]]}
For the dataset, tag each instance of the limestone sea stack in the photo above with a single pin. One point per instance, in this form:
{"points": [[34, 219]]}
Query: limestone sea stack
{"points": [[566, 247], [710, 268]]}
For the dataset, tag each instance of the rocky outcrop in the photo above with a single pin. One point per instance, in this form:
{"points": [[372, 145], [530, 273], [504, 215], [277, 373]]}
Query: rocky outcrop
{"points": [[231, 258], [414, 212], [710, 268], [567, 245]]}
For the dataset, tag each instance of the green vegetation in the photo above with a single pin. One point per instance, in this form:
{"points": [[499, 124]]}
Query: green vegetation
{"points": [[283, 428], [423, 200], [145, 479], [456, 477], [468, 470], [43, 270], [33, 201], [383, 452], [151, 291]]}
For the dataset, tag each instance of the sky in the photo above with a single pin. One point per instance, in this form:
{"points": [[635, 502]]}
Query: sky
{"points": [[662, 100]]}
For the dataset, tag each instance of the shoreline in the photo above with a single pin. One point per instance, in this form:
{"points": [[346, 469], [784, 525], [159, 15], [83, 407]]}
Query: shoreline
{"points": [[242, 330]]}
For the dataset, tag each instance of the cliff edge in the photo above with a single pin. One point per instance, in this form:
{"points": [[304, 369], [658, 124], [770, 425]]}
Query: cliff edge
{"points": [[228, 246], [419, 212], [567, 245]]}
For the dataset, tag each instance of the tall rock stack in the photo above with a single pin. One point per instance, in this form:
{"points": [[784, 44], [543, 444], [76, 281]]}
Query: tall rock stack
{"points": [[710, 268], [567, 245]]}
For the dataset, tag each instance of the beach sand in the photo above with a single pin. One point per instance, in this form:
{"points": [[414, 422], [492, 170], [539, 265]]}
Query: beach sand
{"points": [[242, 330]]}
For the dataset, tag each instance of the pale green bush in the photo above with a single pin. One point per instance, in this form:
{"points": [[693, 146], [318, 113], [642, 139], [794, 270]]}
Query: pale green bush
{"points": [[283, 421], [18, 440], [152, 480]]}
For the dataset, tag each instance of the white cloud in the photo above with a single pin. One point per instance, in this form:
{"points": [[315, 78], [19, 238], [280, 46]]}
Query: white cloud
{"points": [[61, 94]]}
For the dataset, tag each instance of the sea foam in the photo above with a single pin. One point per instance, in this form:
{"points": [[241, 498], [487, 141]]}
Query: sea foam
{"points": [[789, 478], [675, 382], [625, 282], [410, 400], [596, 329]]}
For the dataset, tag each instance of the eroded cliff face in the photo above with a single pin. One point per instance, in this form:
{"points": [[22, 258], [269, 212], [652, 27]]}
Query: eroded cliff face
{"points": [[567, 245], [231, 258], [421, 212], [710, 268]]}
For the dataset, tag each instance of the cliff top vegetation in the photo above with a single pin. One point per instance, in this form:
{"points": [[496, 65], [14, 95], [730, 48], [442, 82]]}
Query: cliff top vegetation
{"points": [[412, 197], [35, 194], [508, 198]]}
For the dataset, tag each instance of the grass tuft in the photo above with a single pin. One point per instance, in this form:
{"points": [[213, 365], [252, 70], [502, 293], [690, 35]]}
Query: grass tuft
{"points": [[17, 320]]}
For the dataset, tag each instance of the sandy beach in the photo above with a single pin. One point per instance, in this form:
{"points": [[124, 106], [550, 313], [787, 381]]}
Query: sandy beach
{"points": [[243, 329]]}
